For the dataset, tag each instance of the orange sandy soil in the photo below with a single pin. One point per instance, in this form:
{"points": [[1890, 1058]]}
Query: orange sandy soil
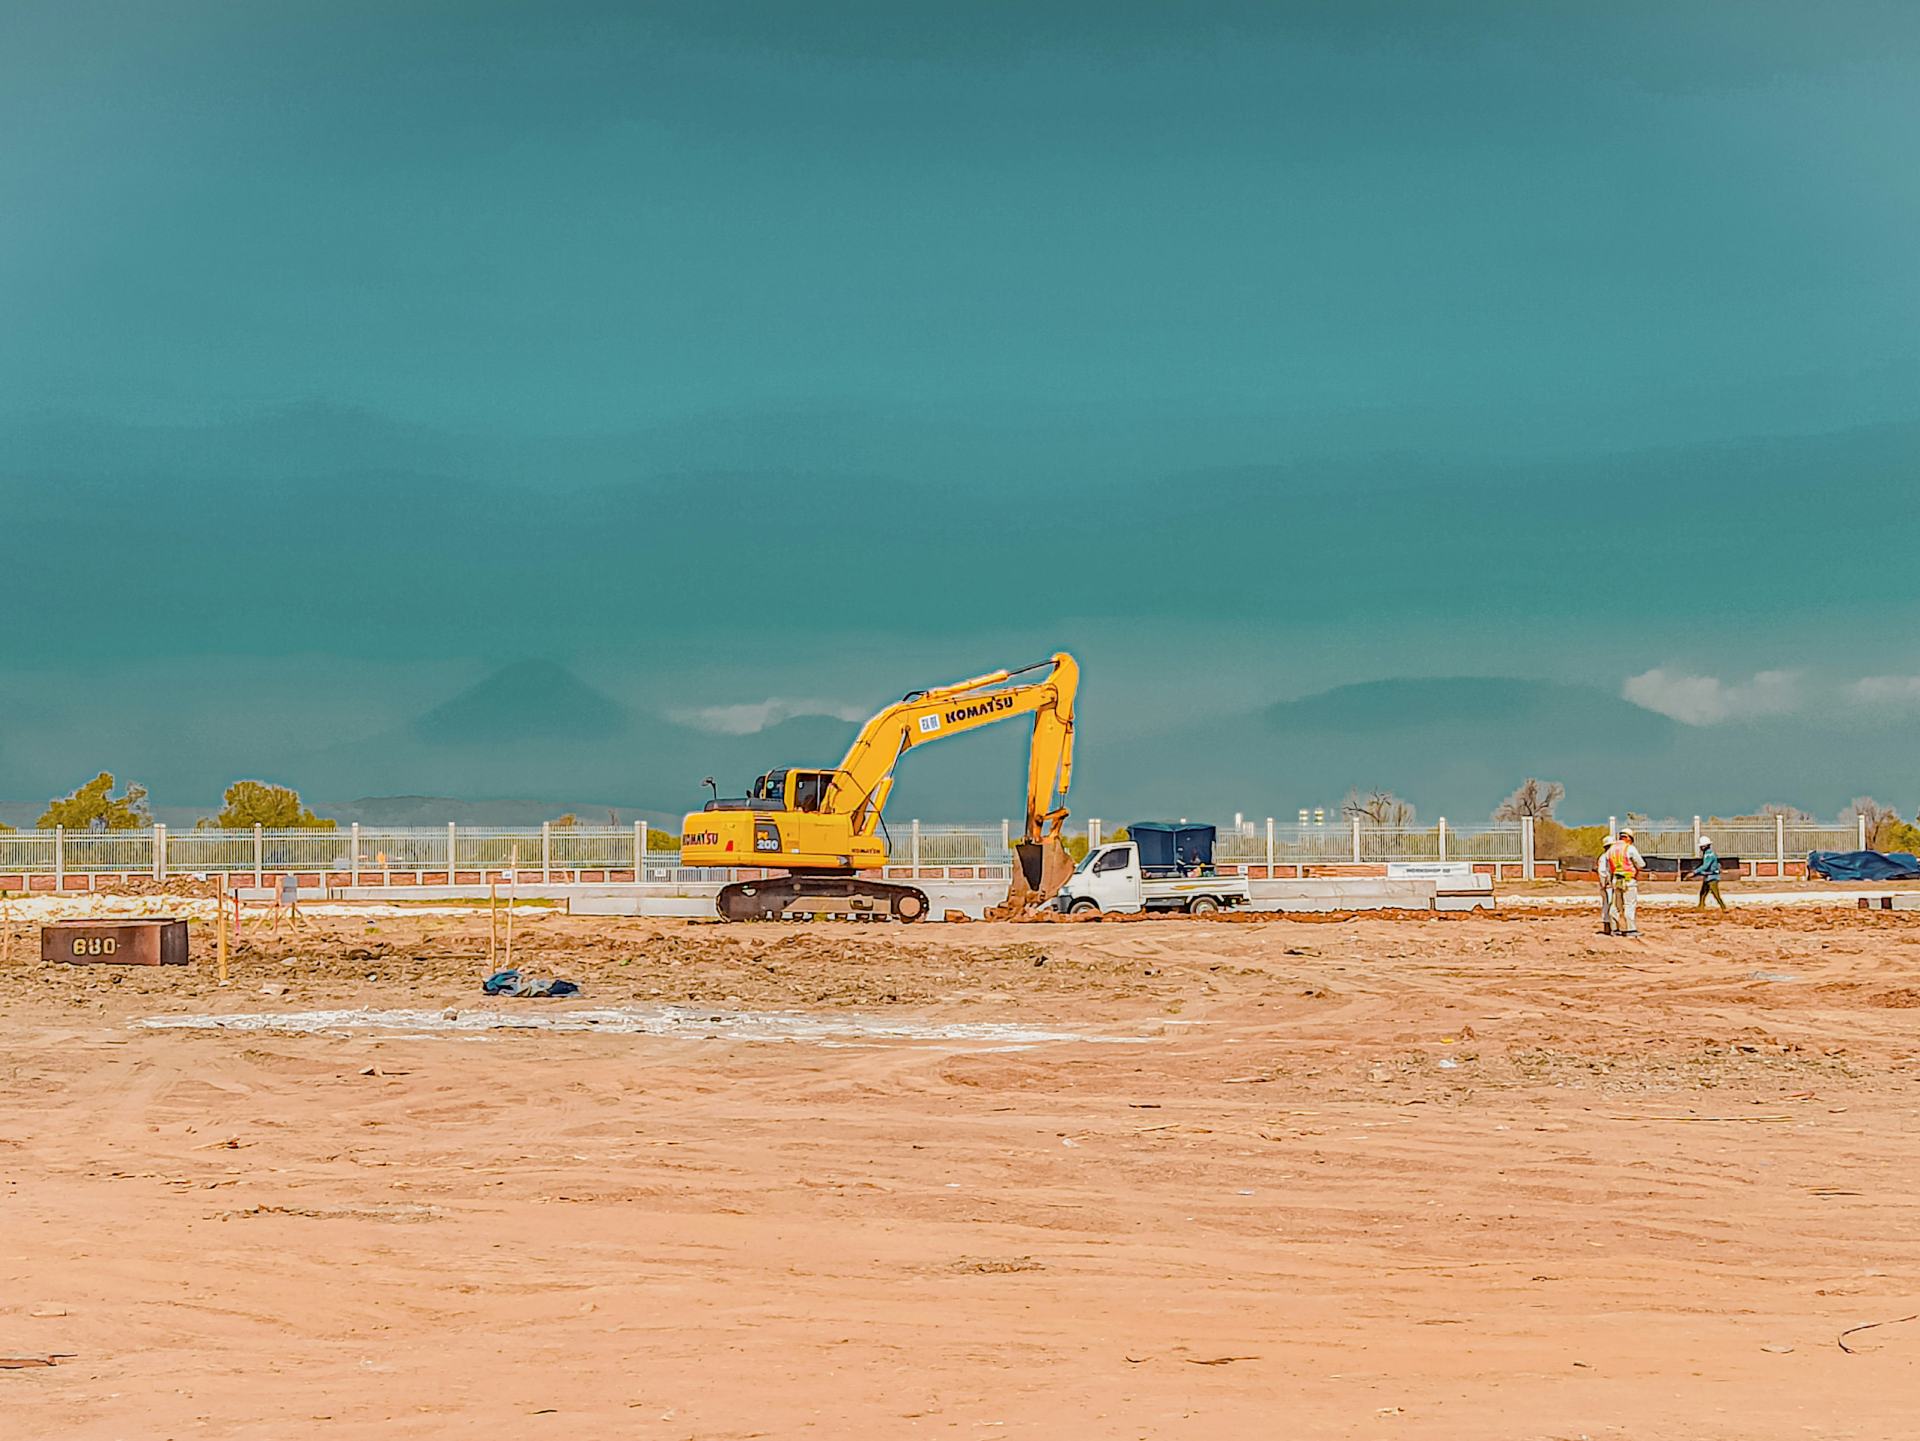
{"points": [[1654, 1188]]}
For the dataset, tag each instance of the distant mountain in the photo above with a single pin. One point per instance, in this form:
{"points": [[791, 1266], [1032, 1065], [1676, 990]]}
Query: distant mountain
{"points": [[531, 701]]}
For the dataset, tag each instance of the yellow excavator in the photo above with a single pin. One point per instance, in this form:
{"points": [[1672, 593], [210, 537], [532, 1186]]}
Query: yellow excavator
{"points": [[824, 828]]}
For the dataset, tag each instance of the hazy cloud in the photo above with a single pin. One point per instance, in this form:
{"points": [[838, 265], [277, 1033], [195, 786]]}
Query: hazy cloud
{"points": [[750, 717], [1700, 700], [1886, 690]]}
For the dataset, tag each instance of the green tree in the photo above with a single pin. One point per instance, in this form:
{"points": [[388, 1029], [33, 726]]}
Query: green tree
{"points": [[94, 806], [259, 803], [1555, 842]]}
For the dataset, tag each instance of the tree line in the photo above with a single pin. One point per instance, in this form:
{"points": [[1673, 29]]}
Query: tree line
{"points": [[245, 804]]}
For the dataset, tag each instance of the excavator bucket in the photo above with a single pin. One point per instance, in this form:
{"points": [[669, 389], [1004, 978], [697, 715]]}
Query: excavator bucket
{"points": [[1043, 867]]}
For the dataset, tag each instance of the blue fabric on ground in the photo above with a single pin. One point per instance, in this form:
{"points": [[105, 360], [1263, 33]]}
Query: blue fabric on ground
{"points": [[1864, 865], [512, 983]]}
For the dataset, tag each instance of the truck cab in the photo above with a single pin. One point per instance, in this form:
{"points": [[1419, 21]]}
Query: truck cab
{"points": [[1177, 874]]}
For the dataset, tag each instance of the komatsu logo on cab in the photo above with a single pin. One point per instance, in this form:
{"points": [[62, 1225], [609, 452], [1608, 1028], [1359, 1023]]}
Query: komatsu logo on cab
{"points": [[700, 838], [989, 706]]}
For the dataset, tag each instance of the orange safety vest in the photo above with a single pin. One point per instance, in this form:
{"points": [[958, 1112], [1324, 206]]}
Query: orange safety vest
{"points": [[1619, 862]]}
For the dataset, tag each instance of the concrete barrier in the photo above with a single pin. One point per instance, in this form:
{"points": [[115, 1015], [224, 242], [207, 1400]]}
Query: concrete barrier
{"points": [[695, 900], [1891, 901]]}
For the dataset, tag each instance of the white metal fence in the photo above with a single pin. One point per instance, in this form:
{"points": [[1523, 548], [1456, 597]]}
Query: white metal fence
{"points": [[367, 853]]}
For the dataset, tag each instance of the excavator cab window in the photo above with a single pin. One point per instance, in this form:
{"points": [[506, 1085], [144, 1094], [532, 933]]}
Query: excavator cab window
{"points": [[770, 787], [810, 789]]}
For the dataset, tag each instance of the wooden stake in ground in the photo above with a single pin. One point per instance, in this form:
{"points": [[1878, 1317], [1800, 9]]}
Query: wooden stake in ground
{"points": [[220, 924], [513, 881]]}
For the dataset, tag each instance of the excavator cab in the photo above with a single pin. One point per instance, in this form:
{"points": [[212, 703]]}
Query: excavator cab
{"points": [[767, 793], [781, 790]]}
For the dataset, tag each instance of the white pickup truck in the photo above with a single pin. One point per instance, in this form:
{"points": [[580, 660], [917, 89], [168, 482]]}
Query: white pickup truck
{"points": [[1111, 879]]}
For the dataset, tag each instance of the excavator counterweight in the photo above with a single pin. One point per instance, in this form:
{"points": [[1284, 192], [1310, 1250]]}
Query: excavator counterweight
{"points": [[823, 827]]}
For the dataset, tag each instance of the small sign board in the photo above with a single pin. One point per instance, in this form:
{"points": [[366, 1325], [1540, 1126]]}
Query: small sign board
{"points": [[1429, 870], [146, 941]]}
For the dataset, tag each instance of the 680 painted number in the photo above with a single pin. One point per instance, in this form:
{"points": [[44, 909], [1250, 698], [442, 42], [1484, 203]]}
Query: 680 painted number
{"points": [[95, 945]]}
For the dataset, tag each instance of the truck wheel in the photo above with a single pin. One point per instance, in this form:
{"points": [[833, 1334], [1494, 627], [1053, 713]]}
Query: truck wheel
{"points": [[1085, 908], [1202, 906]]}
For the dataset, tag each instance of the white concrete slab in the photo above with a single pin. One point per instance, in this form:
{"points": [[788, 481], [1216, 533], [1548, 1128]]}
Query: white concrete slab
{"points": [[1342, 893]]}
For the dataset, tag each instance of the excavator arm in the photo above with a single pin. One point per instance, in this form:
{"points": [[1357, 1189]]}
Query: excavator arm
{"points": [[865, 778]]}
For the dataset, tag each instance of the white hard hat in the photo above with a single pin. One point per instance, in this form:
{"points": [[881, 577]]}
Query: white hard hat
{"points": [[1705, 843]]}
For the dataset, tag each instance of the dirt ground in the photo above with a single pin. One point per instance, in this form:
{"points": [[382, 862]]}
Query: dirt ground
{"points": [[1383, 1178]]}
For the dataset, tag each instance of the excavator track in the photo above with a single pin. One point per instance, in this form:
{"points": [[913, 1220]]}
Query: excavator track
{"points": [[848, 897]]}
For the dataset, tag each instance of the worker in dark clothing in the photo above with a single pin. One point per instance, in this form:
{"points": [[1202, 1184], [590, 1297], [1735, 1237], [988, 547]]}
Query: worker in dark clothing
{"points": [[1708, 874]]}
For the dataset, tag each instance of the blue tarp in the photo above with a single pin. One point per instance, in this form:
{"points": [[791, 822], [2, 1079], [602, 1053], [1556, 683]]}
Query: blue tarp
{"points": [[1863, 865]]}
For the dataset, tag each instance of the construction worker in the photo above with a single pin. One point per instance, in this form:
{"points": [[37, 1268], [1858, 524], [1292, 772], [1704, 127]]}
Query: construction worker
{"points": [[1624, 864], [1606, 888], [1708, 874]]}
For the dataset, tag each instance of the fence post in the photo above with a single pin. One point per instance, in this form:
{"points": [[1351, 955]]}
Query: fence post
{"points": [[639, 850], [1526, 848], [259, 857], [1613, 827], [913, 846], [1093, 833], [1269, 847], [159, 851], [1780, 847], [1356, 840], [1006, 840], [546, 852], [1861, 825], [1443, 838], [453, 849], [59, 858], [1696, 835], [353, 855]]}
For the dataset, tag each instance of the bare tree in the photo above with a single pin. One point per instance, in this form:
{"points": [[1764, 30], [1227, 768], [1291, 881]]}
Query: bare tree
{"points": [[1534, 798], [1379, 809], [1880, 819], [1792, 815]]}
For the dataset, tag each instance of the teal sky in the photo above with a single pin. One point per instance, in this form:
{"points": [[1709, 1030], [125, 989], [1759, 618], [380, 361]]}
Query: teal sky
{"points": [[734, 354]]}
